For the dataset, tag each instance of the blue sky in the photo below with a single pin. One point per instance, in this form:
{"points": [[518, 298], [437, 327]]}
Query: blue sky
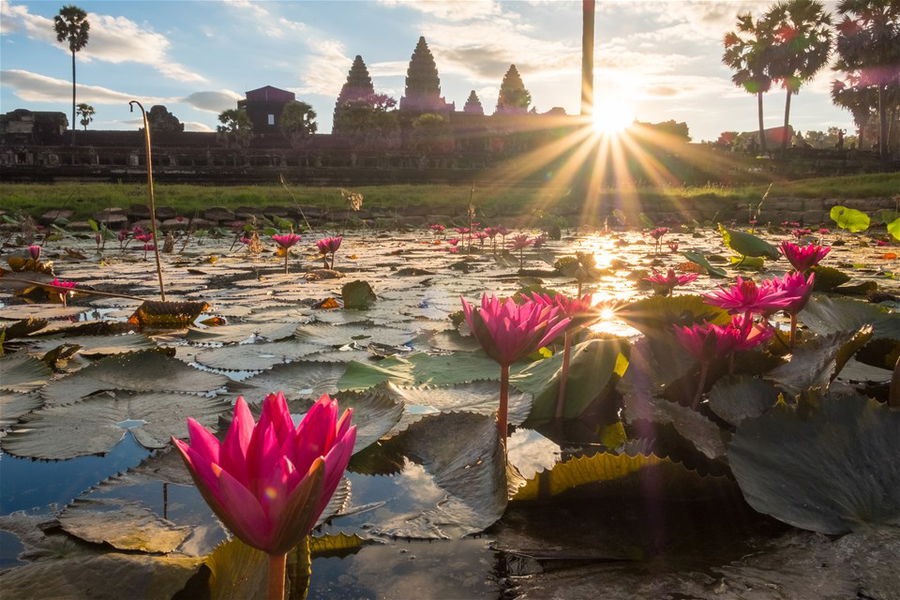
{"points": [[199, 57]]}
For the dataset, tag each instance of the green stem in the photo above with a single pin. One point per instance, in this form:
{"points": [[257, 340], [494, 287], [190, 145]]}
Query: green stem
{"points": [[277, 564], [793, 330], [564, 376], [286, 251], [502, 430]]}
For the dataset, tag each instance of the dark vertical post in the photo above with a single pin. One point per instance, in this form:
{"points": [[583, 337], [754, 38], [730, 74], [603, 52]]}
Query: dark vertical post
{"points": [[587, 57]]}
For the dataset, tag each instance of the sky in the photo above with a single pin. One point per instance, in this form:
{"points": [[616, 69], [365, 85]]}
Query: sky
{"points": [[198, 57]]}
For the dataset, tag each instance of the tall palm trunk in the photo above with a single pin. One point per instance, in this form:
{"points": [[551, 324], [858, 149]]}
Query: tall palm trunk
{"points": [[73, 97], [762, 130], [883, 140], [787, 115]]}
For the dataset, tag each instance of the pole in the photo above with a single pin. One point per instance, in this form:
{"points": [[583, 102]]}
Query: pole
{"points": [[152, 199], [587, 58]]}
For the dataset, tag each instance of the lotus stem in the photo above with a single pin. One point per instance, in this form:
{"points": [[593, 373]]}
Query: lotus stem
{"points": [[79, 290], [564, 375], [894, 393], [793, 330], [504, 405], [704, 370], [286, 252], [152, 198], [277, 564]]}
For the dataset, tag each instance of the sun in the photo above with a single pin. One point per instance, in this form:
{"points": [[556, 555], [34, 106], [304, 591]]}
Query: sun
{"points": [[612, 116]]}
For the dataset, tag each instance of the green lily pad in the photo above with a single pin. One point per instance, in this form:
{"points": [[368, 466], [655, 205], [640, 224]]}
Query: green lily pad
{"points": [[824, 315], [894, 228], [747, 244], [849, 218], [817, 363], [658, 314], [358, 295], [96, 425], [481, 397], [297, 380], [22, 373], [828, 278], [735, 398], [830, 468], [591, 366], [145, 371], [124, 526], [255, 357], [697, 258], [96, 345], [14, 405], [364, 375]]}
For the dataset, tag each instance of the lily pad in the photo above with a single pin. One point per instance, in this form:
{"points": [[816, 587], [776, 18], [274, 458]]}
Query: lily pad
{"points": [[22, 373], [297, 380], [96, 345], [357, 295], [96, 425], [659, 314], [591, 368], [697, 258], [254, 357], [144, 371], [463, 453], [14, 405], [828, 278], [231, 334], [831, 468], [127, 526], [735, 398], [747, 244], [826, 315], [340, 335], [479, 397], [818, 362], [849, 218]]}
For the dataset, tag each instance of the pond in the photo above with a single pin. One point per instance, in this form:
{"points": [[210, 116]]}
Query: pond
{"points": [[634, 493]]}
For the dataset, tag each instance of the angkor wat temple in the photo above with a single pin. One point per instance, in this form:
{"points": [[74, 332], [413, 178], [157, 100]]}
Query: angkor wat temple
{"points": [[373, 139]]}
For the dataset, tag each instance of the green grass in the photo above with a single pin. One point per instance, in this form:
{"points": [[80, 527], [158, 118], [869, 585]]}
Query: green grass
{"points": [[87, 198]]}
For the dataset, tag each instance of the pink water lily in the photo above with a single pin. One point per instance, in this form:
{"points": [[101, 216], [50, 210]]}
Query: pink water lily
{"points": [[708, 342], [798, 289], [509, 332], [34, 251], [746, 297], [803, 258], [329, 245], [664, 284], [520, 242], [285, 242], [269, 482], [657, 235], [580, 312]]}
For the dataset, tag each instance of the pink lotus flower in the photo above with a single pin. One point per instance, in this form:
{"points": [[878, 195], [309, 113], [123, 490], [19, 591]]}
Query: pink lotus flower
{"points": [[664, 284], [799, 233], [539, 241], [287, 240], [65, 292], [880, 243], [63, 284], [520, 242], [707, 342], [144, 237], [797, 289], [329, 246], [245, 240], [579, 311], [824, 231], [491, 232], [503, 231], [436, 228], [453, 241], [508, 331], [35, 251], [747, 297], [803, 258], [658, 232], [673, 246], [268, 482], [480, 236], [461, 230]]}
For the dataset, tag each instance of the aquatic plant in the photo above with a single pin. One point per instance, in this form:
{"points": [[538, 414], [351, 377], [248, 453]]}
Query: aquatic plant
{"points": [[664, 284], [285, 242], [268, 482], [329, 245], [803, 258], [509, 332]]}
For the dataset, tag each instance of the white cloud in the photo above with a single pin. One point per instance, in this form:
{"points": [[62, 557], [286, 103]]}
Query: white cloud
{"points": [[197, 126], [269, 24], [214, 102], [389, 68], [112, 39], [34, 87], [326, 68], [450, 10]]}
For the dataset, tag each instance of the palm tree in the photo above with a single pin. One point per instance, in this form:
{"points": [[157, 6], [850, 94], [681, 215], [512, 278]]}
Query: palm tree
{"points": [[802, 31], [298, 121], [71, 25], [860, 101], [868, 47], [748, 52], [86, 111]]}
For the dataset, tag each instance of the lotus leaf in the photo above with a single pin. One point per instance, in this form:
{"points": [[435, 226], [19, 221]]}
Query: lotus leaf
{"points": [[849, 219], [831, 468]]}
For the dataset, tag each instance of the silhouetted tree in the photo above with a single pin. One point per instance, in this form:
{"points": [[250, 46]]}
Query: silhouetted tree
{"points": [[861, 101], [298, 121], [236, 127], [802, 30], [71, 26], [473, 105], [514, 98], [372, 117], [868, 47], [161, 120], [86, 112], [748, 52]]}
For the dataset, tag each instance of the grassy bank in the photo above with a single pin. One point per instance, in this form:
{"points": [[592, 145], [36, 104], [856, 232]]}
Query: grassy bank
{"points": [[87, 198]]}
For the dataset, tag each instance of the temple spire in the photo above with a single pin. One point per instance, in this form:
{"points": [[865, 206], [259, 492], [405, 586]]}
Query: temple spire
{"points": [[473, 105], [423, 86]]}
